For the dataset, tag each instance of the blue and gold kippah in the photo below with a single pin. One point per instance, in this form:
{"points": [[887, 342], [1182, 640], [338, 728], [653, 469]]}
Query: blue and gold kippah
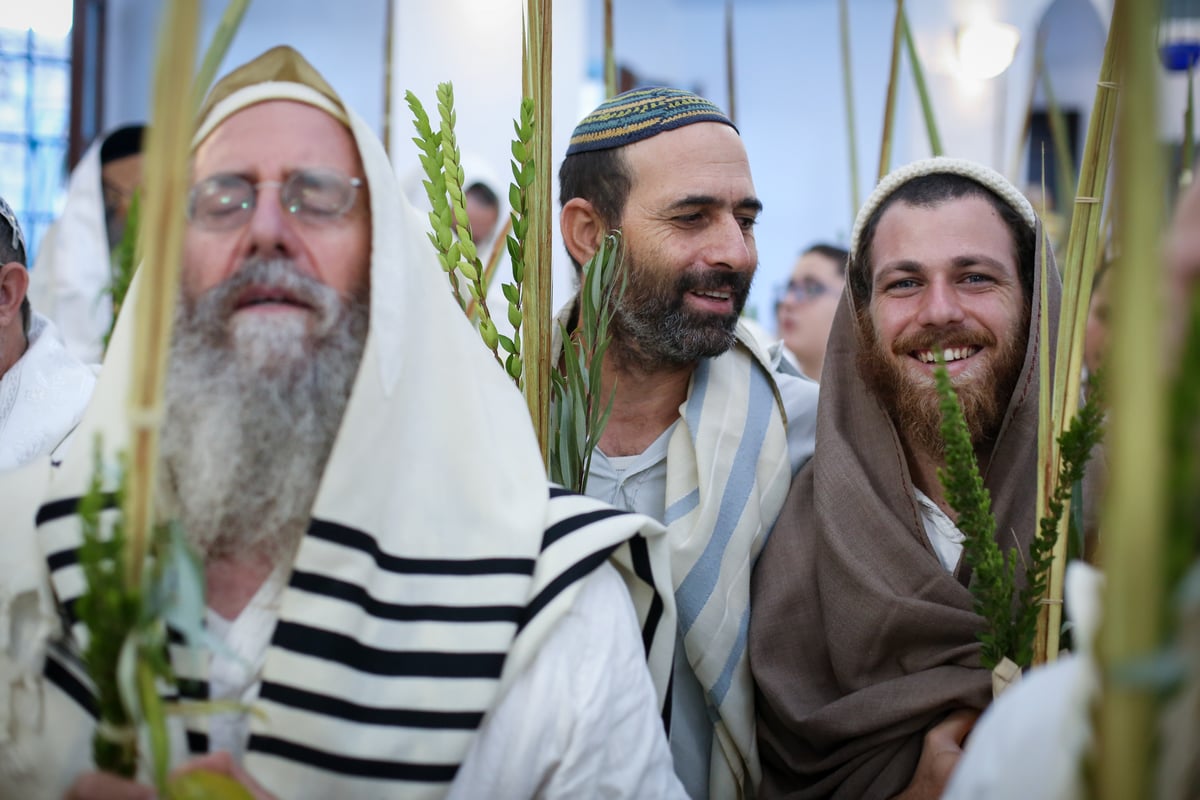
{"points": [[639, 114]]}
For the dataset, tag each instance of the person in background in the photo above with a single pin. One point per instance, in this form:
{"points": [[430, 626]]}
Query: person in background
{"points": [[43, 389], [71, 280], [804, 313]]}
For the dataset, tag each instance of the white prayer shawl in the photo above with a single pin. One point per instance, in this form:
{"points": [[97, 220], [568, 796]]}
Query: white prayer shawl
{"points": [[73, 271], [435, 562], [728, 474], [42, 397]]}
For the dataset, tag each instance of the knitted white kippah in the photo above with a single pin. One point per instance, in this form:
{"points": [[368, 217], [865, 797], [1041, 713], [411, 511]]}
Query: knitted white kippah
{"points": [[941, 165]]}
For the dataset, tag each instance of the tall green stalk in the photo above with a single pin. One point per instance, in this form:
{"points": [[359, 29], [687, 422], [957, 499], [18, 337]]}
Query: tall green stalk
{"points": [[539, 246], [1085, 248], [1135, 506], [231, 20], [914, 59], [848, 98], [893, 86], [610, 57]]}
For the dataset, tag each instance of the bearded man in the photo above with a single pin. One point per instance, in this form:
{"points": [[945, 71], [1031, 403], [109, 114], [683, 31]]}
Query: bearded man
{"points": [[395, 589], [705, 433], [863, 640]]}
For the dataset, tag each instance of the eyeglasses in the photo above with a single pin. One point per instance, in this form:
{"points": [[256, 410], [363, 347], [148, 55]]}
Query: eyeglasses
{"points": [[314, 196], [807, 289]]}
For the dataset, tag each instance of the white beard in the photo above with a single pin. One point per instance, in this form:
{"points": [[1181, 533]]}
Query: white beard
{"points": [[253, 405]]}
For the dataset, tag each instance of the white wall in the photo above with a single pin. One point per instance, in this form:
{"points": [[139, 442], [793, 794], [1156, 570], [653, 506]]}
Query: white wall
{"points": [[344, 41], [789, 91]]}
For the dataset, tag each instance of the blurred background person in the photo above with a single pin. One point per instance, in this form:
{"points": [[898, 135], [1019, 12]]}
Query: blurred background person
{"points": [[72, 277], [804, 311], [43, 390]]}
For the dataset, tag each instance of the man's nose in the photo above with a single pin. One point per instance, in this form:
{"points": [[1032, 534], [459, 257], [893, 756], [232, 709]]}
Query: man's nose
{"points": [[271, 229], [940, 304], [731, 245]]}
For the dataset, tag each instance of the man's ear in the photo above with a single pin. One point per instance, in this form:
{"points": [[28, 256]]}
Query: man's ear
{"points": [[582, 229], [14, 281]]}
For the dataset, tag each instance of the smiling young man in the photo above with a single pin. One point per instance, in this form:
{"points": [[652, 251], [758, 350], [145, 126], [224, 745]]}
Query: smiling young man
{"points": [[705, 433], [863, 640]]}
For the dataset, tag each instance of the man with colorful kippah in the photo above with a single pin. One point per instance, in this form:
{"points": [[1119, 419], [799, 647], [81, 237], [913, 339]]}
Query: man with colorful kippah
{"points": [[43, 389], [864, 640], [705, 433], [404, 607]]}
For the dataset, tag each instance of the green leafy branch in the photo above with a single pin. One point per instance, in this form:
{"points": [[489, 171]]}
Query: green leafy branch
{"points": [[126, 650], [524, 172], [1075, 449], [124, 261], [451, 235], [578, 413]]}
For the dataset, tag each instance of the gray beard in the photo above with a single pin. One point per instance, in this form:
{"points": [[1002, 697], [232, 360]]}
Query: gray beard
{"points": [[253, 405]]}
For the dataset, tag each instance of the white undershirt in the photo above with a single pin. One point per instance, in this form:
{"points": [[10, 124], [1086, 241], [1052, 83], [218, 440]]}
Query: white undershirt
{"points": [[944, 535]]}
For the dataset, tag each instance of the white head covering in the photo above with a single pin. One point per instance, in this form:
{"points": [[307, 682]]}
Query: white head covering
{"points": [[69, 279]]}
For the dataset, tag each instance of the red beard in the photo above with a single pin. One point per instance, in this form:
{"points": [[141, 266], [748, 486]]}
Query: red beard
{"points": [[912, 400]]}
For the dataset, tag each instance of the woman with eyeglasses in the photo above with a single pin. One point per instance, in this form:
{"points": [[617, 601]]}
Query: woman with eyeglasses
{"points": [[804, 310]]}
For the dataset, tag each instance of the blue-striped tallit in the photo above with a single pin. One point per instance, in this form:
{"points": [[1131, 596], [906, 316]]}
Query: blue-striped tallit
{"points": [[728, 474], [436, 562]]}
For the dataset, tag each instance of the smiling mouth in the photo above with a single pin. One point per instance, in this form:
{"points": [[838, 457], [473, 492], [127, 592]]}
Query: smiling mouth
{"points": [[714, 294], [949, 355]]}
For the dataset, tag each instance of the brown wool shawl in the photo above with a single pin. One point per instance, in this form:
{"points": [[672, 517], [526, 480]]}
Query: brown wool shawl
{"points": [[860, 640]]}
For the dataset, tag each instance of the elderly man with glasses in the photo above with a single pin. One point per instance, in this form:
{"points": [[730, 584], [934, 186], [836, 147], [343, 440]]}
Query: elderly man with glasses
{"points": [[411, 609]]}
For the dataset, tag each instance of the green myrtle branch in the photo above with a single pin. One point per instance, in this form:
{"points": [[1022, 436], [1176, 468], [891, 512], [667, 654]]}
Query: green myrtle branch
{"points": [[578, 412]]}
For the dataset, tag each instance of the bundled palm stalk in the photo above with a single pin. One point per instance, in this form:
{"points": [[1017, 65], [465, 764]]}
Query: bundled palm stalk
{"points": [[893, 88], [1061, 392], [1135, 507], [848, 99], [537, 305], [140, 575]]}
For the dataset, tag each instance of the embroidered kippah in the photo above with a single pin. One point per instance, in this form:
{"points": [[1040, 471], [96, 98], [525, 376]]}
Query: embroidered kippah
{"points": [[639, 114], [10, 216]]}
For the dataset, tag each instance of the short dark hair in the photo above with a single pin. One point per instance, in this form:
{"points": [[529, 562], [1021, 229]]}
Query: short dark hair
{"points": [[602, 178], [15, 251], [836, 254], [482, 192], [932, 190]]}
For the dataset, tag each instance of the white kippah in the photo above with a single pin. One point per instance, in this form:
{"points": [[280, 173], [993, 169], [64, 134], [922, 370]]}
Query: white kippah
{"points": [[985, 176]]}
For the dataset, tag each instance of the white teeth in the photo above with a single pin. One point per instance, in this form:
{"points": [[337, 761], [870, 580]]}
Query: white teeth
{"points": [[715, 295], [948, 355]]}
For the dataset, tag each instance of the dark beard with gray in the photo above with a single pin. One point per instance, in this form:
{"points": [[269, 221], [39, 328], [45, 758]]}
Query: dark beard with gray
{"points": [[253, 404], [653, 329], [913, 403]]}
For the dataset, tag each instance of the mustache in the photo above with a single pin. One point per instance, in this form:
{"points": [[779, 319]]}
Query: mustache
{"points": [[706, 280], [943, 339], [277, 275]]}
